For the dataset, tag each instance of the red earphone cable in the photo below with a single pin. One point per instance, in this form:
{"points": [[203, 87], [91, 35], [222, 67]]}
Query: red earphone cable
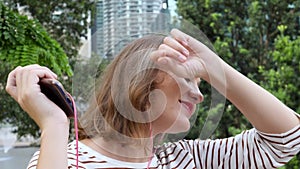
{"points": [[76, 129], [152, 153]]}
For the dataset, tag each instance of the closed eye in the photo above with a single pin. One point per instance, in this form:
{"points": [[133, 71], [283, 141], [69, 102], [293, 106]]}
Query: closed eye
{"points": [[187, 80]]}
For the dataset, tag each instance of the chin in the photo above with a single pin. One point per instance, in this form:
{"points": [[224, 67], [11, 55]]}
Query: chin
{"points": [[179, 127], [185, 129]]}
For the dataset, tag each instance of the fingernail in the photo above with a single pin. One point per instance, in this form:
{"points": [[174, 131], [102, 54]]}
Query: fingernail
{"points": [[186, 52], [182, 58], [184, 43]]}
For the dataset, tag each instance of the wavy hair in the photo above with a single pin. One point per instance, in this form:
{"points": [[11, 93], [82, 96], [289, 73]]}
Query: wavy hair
{"points": [[119, 107]]}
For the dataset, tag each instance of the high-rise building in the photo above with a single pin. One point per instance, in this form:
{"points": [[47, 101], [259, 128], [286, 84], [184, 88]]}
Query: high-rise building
{"points": [[120, 21], [162, 21]]}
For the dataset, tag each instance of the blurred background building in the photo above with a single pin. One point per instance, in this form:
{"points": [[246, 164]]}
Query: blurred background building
{"points": [[119, 21]]}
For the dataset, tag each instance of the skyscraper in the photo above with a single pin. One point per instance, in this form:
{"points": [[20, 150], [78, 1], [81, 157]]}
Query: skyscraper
{"points": [[120, 21]]}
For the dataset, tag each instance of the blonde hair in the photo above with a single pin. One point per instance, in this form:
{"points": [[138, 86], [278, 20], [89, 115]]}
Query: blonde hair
{"points": [[119, 107]]}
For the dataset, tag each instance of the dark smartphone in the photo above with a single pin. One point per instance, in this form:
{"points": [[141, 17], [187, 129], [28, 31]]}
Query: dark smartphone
{"points": [[55, 92]]}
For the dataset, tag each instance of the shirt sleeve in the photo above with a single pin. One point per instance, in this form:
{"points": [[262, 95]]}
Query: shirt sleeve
{"points": [[33, 161], [250, 149]]}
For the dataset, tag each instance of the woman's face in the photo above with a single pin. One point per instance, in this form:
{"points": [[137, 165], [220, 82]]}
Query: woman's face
{"points": [[176, 99]]}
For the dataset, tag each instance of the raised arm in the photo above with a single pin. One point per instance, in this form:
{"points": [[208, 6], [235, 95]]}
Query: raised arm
{"points": [[22, 85], [261, 108]]}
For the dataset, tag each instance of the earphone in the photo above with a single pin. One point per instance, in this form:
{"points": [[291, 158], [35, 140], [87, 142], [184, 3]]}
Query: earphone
{"points": [[76, 130]]}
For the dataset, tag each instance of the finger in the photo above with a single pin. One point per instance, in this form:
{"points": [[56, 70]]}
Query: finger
{"points": [[176, 45], [180, 37], [28, 77], [19, 82], [33, 73], [49, 73], [156, 55], [171, 52], [11, 85], [11, 79], [168, 64], [31, 77], [187, 41]]}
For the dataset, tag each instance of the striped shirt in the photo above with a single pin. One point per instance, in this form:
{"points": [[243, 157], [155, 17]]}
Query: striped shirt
{"points": [[250, 149]]}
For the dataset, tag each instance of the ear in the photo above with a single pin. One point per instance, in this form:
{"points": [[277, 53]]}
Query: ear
{"points": [[160, 77]]}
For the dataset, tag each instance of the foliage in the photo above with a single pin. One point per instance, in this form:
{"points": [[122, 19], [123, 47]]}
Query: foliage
{"points": [[21, 37], [258, 38], [243, 33], [86, 72], [282, 79], [245, 28], [24, 41], [65, 21]]}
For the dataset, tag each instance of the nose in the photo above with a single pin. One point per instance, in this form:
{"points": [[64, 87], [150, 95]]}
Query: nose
{"points": [[195, 94]]}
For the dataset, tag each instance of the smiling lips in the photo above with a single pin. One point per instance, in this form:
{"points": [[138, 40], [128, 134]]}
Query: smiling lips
{"points": [[189, 106]]}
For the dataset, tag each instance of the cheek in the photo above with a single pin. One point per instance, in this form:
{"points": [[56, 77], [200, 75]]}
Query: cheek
{"points": [[158, 102], [164, 102]]}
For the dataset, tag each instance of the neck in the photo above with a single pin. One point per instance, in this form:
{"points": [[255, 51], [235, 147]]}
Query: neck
{"points": [[135, 152]]}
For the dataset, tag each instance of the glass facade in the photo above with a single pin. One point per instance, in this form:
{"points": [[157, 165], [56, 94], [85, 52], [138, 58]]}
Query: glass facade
{"points": [[120, 21]]}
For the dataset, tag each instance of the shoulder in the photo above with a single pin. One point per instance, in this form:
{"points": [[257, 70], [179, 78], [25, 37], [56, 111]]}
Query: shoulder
{"points": [[198, 147], [87, 158]]}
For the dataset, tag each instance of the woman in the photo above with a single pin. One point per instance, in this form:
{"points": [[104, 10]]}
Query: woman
{"points": [[149, 89]]}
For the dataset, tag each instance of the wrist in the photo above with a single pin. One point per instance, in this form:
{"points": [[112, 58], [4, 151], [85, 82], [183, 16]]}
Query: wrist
{"points": [[55, 126], [58, 119], [213, 67], [55, 134], [216, 72]]}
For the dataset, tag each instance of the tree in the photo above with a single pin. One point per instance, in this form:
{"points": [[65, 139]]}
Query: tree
{"points": [[283, 78], [248, 35], [24, 41], [65, 21], [243, 33]]}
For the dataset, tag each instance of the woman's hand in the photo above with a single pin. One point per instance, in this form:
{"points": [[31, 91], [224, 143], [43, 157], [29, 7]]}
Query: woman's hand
{"points": [[184, 56], [22, 85]]}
